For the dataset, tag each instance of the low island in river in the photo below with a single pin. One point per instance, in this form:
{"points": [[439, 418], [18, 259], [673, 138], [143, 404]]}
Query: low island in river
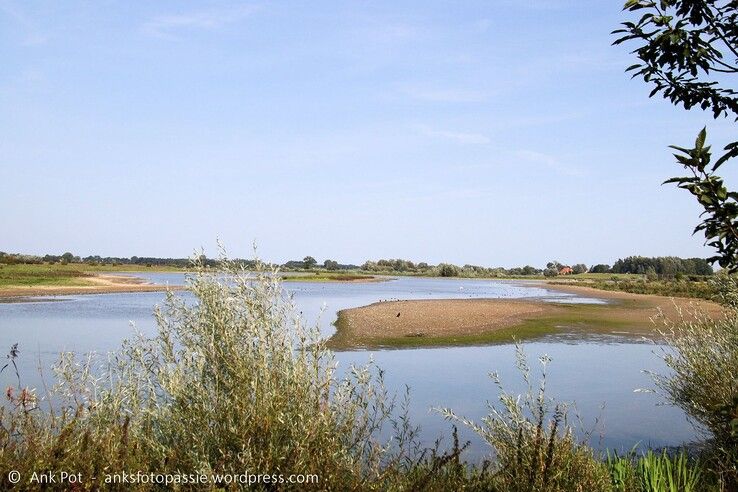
{"points": [[448, 322]]}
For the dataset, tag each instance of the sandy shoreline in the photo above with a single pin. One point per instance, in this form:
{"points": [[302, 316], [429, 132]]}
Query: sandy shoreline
{"points": [[96, 284], [418, 318], [446, 321], [476, 321]]}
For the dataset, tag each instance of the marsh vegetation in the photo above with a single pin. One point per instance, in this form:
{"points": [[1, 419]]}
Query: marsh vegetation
{"points": [[236, 381]]}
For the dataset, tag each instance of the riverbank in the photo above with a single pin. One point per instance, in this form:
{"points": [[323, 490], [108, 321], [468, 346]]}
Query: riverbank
{"points": [[331, 277], [449, 322], [88, 283]]}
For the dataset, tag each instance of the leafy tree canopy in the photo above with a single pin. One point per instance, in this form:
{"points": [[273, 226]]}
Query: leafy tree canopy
{"points": [[688, 53]]}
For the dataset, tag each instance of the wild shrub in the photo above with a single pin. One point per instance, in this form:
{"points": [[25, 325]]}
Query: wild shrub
{"points": [[231, 382], [533, 444], [703, 358]]}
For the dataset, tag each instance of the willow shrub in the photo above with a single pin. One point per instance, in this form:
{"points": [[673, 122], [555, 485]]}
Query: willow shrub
{"points": [[702, 354], [233, 382], [533, 443]]}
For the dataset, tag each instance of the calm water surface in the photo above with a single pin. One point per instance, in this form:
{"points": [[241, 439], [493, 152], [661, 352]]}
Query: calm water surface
{"points": [[599, 372]]}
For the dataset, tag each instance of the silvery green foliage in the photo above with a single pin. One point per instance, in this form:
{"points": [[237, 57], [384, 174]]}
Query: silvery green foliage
{"points": [[703, 357], [726, 289], [532, 440], [237, 381]]}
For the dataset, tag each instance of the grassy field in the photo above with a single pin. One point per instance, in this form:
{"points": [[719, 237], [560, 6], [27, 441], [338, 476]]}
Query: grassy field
{"points": [[639, 284], [34, 275], [323, 276], [600, 276], [63, 275]]}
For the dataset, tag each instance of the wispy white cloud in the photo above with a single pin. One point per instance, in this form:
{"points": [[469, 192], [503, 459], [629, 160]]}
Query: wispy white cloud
{"points": [[458, 137], [482, 25], [32, 35], [166, 26], [460, 194], [445, 95], [537, 4], [379, 30], [546, 160]]}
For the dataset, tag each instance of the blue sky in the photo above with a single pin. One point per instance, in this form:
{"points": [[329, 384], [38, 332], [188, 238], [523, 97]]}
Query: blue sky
{"points": [[491, 132]]}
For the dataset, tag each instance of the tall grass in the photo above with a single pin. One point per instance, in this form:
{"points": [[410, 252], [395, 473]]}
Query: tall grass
{"points": [[657, 472]]}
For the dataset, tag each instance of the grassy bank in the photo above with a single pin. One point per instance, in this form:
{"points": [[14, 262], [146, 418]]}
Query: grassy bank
{"points": [[73, 274], [325, 276], [698, 288], [35, 275]]}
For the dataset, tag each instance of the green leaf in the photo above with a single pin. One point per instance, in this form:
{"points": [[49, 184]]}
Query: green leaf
{"points": [[700, 141], [680, 149]]}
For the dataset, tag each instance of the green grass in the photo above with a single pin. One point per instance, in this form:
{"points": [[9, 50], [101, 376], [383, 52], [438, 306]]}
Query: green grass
{"points": [[34, 275], [658, 472], [327, 277], [129, 268], [74, 274], [635, 285], [600, 276]]}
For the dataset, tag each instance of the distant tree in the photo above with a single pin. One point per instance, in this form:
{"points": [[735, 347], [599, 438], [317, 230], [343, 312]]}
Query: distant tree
{"points": [[688, 53], [554, 265], [309, 262], [529, 270], [448, 270], [651, 274], [550, 272], [330, 265], [600, 268], [579, 268], [667, 266], [67, 258]]}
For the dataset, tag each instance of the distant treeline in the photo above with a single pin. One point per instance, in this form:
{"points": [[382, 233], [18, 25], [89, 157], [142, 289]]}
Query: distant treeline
{"points": [[665, 266], [327, 264], [662, 266], [69, 258], [446, 269]]}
